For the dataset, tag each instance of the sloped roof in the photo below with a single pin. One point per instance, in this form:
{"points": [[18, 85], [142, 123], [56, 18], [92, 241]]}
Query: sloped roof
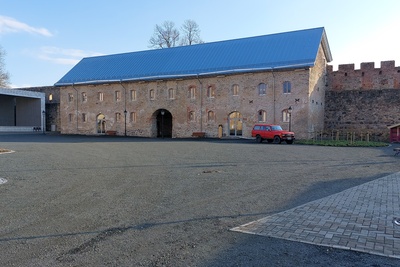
{"points": [[296, 49]]}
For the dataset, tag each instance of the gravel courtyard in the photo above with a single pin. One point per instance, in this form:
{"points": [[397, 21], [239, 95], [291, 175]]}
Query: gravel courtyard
{"points": [[115, 201]]}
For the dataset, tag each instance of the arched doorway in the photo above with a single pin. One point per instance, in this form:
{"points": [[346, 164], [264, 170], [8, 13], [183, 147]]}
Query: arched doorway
{"points": [[101, 124], [235, 124], [164, 123]]}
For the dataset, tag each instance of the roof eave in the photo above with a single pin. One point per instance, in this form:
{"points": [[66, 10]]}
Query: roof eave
{"points": [[183, 76]]}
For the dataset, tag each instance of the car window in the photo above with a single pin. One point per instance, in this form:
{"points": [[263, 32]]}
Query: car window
{"points": [[267, 128], [277, 128]]}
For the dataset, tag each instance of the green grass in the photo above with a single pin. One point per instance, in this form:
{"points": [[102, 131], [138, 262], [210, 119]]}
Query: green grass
{"points": [[341, 143]]}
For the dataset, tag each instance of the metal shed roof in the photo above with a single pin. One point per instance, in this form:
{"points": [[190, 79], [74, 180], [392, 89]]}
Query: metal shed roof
{"points": [[294, 49]]}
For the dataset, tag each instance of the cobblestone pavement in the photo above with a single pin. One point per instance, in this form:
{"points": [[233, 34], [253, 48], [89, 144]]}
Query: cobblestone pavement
{"points": [[362, 218]]}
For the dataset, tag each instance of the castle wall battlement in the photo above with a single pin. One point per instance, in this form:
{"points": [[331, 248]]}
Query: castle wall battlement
{"points": [[366, 78]]}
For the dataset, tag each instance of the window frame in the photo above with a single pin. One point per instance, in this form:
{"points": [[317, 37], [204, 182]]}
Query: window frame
{"points": [[285, 115], [192, 92], [262, 89], [152, 94], [287, 87], [235, 90], [262, 115], [133, 95], [211, 91], [171, 93]]}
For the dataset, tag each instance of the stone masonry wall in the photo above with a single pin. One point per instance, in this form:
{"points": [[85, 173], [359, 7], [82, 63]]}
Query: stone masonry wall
{"points": [[365, 100], [247, 102]]}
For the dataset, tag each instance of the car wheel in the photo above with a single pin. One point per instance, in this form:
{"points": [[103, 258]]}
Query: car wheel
{"points": [[277, 140], [258, 139], [289, 141]]}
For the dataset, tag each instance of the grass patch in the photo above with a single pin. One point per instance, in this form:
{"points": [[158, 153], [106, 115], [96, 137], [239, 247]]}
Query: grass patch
{"points": [[341, 143]]}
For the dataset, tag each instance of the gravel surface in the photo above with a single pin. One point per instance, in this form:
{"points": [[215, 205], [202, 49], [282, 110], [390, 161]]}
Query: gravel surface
{"points": [[115, 201]]}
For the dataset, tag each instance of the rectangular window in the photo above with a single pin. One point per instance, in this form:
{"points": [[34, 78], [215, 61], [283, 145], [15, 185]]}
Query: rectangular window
{"points": [[192, 116], [101, 96], [262, 116], [262, 89], [70, 117], [210, 115], [133, 95], [285, 116], [235, 89], [192, 92], [84, 117], [70, 97], [152, 94], [211, 92], [84, 97], [133, 117], [287, 87], [117, 117], [171, 93], [117, 95]]}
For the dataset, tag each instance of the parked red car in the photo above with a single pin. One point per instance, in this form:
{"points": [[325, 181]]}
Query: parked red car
{"points": [[271, 133]]}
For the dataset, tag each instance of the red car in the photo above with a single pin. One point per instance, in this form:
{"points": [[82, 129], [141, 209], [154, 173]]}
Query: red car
{"points": [[271, 133]]}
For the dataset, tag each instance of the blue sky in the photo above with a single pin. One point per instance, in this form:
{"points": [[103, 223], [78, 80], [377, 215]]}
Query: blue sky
{"points": [[44, 39]]}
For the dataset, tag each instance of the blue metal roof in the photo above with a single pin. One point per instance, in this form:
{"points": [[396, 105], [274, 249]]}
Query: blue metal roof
{"points": [[276, 51]]}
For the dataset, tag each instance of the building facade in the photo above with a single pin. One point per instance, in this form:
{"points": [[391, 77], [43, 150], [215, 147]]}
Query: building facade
{"points": [[214, 99]]}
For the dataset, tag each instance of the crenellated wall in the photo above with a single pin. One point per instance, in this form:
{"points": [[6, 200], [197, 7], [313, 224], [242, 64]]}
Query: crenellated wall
{"points": [[363, 100], [366, 78]]}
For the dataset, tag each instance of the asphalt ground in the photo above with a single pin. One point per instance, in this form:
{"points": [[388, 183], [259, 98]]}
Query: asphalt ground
{"points": [[119, 201]]}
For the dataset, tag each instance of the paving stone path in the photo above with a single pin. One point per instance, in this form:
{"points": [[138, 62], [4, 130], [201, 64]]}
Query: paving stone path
{"points": [[364, 218]]}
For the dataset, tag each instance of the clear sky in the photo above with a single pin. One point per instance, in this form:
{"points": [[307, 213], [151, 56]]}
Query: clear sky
{"points": [[44, 39]]}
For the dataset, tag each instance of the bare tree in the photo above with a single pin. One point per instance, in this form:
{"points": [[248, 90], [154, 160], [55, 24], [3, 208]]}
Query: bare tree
{"points": [[165, 36], [4, 76], [191, 33]]}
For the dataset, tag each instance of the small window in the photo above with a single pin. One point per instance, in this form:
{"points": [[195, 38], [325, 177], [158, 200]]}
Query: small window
{"points": [[257, 127], [262, 116], [287, 87], [133, 95], [133, 117], [84, 97], [152, 94], [171, 93], [285, 115], [235, 90], [70, 97], [101, 96], [192, 116], [211, 115], [84, 117], [211, 92], [50, 97], [70, 117], [262, 89], [117, 96], [117, 117], [192, 92]]}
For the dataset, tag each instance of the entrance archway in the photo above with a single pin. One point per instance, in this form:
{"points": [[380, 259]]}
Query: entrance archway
{"points": [[235, 124], [101, 124], [164, 123]]}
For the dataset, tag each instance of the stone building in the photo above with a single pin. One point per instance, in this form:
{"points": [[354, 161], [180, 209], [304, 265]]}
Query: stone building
{"points": [[219, 88]]}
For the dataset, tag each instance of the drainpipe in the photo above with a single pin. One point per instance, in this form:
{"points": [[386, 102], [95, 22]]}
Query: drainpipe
{"points": [[77, 113], [273, 89], [201, 104]]}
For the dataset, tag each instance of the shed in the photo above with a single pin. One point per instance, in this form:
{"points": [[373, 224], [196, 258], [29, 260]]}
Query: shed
{"points": [[394, 133]]}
